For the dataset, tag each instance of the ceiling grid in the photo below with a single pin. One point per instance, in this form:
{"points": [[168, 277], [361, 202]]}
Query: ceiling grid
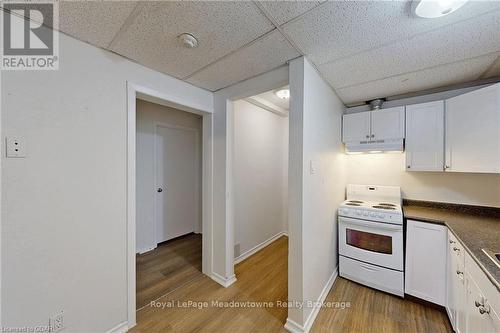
{"points": [[363, 49]]}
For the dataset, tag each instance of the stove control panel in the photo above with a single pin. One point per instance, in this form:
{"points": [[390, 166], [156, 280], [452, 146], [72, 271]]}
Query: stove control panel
{"points": [[395, 218]]}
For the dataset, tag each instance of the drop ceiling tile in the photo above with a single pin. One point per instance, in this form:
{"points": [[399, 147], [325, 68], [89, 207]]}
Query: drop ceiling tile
{"points": [[341, 28], [445, 45], [95, 22], [261, 56], [463, 71], [284, 11], [220, 27]]}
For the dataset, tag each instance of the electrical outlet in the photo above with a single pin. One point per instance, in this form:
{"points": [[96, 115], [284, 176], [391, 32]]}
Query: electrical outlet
{"points": [[15, 147], [56, 322]]}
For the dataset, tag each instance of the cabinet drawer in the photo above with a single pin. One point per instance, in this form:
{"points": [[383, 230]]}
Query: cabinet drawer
{"points": [[456, 251], [490, 292]]}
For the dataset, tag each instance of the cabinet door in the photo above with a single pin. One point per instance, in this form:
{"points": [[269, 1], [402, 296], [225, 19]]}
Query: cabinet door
{"points": [[486, 321], [472, 141], [425, 136], [425, 275], [356, 127], [387, 124]]}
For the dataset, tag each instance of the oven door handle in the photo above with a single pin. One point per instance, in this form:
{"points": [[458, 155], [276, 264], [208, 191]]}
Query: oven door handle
{"points": [[373, 225]]}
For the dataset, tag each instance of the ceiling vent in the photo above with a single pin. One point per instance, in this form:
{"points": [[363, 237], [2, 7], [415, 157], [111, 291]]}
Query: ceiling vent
{"points": [[376, 104]]}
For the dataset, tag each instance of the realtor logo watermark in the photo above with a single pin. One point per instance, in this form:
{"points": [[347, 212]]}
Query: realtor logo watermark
{"points": [[29, 33]]}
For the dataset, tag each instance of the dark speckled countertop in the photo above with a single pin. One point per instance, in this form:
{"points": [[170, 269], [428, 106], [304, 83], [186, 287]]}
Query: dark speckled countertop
{"points": [[475, 227]]}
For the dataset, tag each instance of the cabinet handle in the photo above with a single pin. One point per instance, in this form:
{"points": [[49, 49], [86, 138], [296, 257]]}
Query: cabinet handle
{"points": [[478, 304], [483, 310], [373, 135], [409, 166], [367, 136], [452, 242], [456, 249], [458, 272], [446, 166]]}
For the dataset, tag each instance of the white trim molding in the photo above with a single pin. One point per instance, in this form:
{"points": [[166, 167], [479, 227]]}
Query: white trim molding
{"points": [[120, 328], [147, 249], [225, 282], [134, 92], [258, 247], [293, 327]]}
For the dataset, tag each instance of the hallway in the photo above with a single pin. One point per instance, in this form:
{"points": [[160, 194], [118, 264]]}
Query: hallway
{"points": [[261, 278], [169, 266]]}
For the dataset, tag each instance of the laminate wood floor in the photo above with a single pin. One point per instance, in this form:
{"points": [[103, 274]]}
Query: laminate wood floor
{"points": [[263, 277], [167, 267], [377, 312]]}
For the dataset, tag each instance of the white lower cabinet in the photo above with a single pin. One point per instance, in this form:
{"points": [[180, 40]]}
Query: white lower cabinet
{"points": [[426, 261], [482, 301], [481, 316], [455, 284], [472, 301]]}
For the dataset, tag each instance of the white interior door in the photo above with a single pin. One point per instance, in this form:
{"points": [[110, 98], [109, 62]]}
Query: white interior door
{"points": [[177, 180]]}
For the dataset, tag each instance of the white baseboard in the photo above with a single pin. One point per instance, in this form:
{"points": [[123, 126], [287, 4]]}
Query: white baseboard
{"points": [[147, 249], [225, 282], [258, 247], [120, 328], [293, 327]]}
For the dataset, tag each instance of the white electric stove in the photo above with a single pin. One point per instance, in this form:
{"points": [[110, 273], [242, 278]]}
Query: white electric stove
{"points": [[371, 237]]}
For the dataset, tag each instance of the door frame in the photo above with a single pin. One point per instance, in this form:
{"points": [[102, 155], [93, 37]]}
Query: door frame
{"points": [[134, 92], [196, 227]]}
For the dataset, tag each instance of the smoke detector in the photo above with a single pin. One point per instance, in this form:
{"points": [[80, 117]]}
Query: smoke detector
{"points": [[187, 40]]}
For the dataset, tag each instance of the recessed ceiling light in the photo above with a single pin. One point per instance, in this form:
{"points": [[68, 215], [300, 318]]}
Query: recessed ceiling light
{"points": [[283, 93], [187, 40], [436, 8]]}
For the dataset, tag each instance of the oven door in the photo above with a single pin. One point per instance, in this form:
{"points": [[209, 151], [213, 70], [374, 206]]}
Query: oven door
{"points": [[372, 242]]}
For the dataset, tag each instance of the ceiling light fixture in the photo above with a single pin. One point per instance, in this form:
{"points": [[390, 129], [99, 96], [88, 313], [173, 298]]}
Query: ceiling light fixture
{"points": [[283, 93], [187, 40], [436, 8]]}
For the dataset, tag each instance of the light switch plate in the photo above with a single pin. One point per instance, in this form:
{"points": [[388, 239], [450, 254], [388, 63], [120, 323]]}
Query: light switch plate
{"points": [[15, 147], [312, 167]]}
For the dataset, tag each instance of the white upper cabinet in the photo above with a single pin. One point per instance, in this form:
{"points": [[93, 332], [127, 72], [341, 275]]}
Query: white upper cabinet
{"points": [[388, 124], [385, 124], [425, 136], [356, 127], [473, 131]]}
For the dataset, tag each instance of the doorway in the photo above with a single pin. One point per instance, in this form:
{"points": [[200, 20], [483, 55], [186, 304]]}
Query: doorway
{"points": [[168, 216], [260, 126]]}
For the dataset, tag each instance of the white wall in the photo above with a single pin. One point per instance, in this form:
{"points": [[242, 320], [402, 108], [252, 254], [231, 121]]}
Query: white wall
{"points": [[389, 169], [148, 115], [260, 165], [64, 206], [315, 136]]}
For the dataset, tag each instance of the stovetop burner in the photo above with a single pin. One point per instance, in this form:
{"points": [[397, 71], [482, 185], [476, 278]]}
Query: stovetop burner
{"points": [[355, 201], [384, 207], [387, 204], [352, 204]]}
